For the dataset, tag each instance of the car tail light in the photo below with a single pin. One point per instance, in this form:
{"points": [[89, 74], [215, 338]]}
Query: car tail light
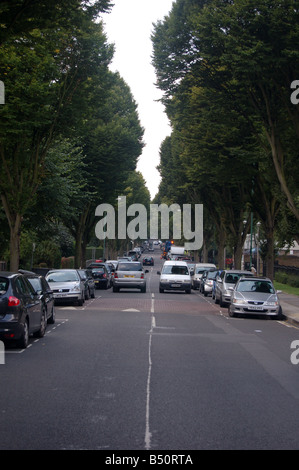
{"points": [[142, 275], [115, 276], [104, 275], [13, 301]]}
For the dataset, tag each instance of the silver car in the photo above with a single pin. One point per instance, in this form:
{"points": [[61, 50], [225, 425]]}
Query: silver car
{"points": [[129, 275], [66, 285], [254, 296], [224, 283]]}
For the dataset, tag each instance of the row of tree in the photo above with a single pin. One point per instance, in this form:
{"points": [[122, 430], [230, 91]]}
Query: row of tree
{"points": [[70, 135], [226, 69]]}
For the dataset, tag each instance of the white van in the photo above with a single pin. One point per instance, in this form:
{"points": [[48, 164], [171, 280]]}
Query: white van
{"points": [[175, 275], [199, 268]]}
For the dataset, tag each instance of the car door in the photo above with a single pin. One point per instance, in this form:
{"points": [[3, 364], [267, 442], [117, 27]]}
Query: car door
{"points": [[31, 302], [48, 296]]}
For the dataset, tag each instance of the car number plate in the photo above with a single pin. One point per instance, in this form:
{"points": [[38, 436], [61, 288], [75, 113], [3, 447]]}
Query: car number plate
{"points": [[127, 275], [175, 285], [253, 307]]}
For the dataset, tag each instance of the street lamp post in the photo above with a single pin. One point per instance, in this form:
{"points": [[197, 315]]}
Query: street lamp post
{"points": [[258, 248]]}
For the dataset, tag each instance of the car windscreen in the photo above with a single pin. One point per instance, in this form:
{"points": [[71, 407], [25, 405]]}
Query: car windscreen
{"points": [[4, 283], [200, 270], [265, 287], [129, 267], [62, 276], [175, 269], [211, 274]]}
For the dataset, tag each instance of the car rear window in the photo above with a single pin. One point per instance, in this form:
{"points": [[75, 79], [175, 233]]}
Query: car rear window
{"points": [[129, 267], [4, 283]]}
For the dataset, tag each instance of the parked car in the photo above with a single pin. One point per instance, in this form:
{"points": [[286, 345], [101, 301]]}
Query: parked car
{"points": [[21, 310], [252, 296], [227, 279], [198, 270], [148, 261], [214, 283], [102, 276], [129, 275], [66, 285], [42, 288], [175, 275], [89, 286], [207, 281]]}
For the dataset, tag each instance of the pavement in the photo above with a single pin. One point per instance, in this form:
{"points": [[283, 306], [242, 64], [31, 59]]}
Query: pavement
{"points": [[290, 307]]}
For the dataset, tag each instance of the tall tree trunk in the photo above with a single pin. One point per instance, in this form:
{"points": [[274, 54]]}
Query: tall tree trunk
{"points": [[15, 222]]}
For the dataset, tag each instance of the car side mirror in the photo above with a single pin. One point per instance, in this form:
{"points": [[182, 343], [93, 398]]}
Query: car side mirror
{"points": [[158, 272]]}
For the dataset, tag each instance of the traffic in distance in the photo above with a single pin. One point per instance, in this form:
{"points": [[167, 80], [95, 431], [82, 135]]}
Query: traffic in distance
{"points": [[145, 358], [27, 299]]}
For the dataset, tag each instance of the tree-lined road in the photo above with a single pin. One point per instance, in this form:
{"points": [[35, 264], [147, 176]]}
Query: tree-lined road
{"points": [[135, 371]]}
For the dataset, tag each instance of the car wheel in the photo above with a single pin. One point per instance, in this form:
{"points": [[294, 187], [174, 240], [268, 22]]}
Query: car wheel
{"points": [[143, 289], [115, 289], [24, 340], [52, 317], [216, 300], [161, 290], [222, 304], [188, 291], [43, 325], [80, 301]]}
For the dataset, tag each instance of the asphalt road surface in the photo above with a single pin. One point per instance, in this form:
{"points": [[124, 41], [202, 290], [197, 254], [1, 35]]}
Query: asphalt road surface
{"points": [[149, 371]]}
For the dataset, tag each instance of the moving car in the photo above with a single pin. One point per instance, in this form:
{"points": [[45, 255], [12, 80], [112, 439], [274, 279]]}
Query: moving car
{"points": [[254, 296], [102, 276], [66, 285], [21, 310], [226, 280], [129, 275], [175, 275], [44, 291], [148, 261]]}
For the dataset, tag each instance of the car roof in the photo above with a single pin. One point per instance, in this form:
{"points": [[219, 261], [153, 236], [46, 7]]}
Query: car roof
{"points": [[176, 262], [9, 274], [237, 271]]}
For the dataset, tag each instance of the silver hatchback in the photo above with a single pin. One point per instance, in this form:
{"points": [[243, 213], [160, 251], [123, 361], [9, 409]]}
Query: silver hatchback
{"points": [[129, 275], [67, 285]]}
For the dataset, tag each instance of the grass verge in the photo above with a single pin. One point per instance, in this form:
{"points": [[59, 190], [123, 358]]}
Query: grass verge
{"points": [[286, 288]]}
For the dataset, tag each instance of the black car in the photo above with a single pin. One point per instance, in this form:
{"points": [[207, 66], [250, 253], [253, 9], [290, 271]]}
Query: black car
{"points": [[148, 261], [101, 275], [42, 288], [89, 285], [21, 310]]}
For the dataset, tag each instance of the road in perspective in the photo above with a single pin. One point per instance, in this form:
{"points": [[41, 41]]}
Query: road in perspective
{"points": [[152, 371]]}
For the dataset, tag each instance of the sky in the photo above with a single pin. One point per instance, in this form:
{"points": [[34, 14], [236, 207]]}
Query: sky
{"points": [[129, 26]]}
